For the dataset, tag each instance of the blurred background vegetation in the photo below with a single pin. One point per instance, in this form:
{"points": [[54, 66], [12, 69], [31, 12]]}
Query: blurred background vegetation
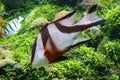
{"points": [[95, 60]]}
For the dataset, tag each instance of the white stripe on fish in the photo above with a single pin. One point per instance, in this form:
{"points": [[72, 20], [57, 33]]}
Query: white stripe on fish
{"points": [[40, 57]]}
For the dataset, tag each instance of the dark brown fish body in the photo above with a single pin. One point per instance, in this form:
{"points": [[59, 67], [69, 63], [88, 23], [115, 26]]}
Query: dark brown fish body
{"points": [[56, 38]]}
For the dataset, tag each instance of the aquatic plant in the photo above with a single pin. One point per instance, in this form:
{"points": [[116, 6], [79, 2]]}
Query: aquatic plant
{"points": [[6, 57], [40, 11], [84, 63], [2, 25], [112, 28], [61, 3], [11, 4], [95, 59], [61, 14], [114, 77], [1, 7], [39, 22], [101, 46], [112, 49], [96, 38], [108, 4]]}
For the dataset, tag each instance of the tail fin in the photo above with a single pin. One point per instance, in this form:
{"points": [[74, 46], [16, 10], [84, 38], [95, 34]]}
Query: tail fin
{"points": [[20, 19], [91, 17]]}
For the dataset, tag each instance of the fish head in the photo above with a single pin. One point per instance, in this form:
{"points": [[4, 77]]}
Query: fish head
{"points": [[38, 58]]}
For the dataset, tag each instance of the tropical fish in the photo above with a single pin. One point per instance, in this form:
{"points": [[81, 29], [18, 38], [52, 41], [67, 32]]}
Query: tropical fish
{"points": [[59, 36], [13, 26]]}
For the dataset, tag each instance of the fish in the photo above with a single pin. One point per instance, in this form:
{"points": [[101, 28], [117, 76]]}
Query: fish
{"points": [[58, 37], [13, 26]]}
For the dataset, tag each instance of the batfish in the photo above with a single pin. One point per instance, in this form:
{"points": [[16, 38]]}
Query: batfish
{"points": [[58, 37]]}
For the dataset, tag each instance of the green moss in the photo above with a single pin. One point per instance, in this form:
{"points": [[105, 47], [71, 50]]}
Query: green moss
{"points": [[112, 28], [113, 50], [114, 77], [2, 25], [61, 14], [41, 11], [84, 63], [96, 38], [39, 22], [6, 57], [61, 3], [108, 3], [1, 7], [101, 46], [91, 57]]}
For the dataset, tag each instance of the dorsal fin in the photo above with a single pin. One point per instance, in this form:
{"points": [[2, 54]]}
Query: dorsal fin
{"points": [[92, 9], [66, 16], [89, 20], [67, 20]]}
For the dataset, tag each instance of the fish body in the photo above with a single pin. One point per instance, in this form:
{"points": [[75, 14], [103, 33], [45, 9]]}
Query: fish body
{"points": [[56, 38], [13, 26]]}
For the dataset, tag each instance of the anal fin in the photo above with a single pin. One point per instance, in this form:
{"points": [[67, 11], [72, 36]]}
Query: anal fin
{"points": [[79, 41], [61, 58]]}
